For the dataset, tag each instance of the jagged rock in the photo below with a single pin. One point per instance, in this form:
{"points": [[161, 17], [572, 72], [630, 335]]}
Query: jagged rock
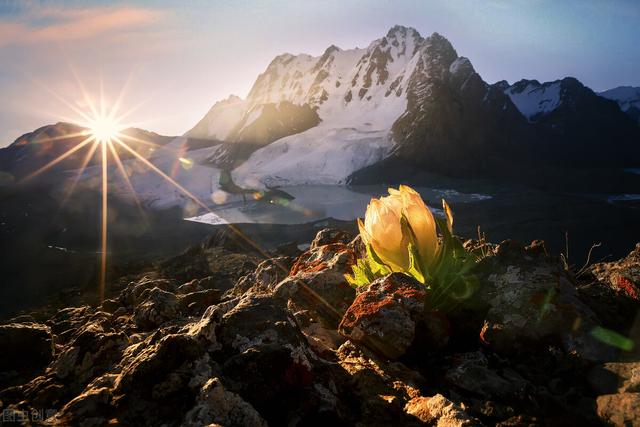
{"points": [[110, 305], [91, 408], [268, 352], [620, 410], [533, 302], [134, 293], [268, 363], [622, 275], [198, 300], [158, 307], [316, 282], [384, 314], [217, 405], [26, 346], [329, 236], [196, 285], [258, 320], [378, 401], [264, 278], [440, 411], [616, 377], [471, 372], [161, 380]]}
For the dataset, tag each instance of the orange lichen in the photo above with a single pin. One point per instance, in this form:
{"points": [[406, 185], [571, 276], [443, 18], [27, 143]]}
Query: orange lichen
{"points": [[627, 286]]}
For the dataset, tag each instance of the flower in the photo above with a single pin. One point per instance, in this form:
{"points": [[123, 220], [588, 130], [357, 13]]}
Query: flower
{"points": [[401, 235], [394, 222]]}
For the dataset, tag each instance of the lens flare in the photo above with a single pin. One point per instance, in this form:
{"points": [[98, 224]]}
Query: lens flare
{"points": [[107, 132], [104, 129]]}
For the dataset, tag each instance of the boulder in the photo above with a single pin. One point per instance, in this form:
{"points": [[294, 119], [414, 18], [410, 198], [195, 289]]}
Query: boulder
{"points": [[620, 410], [615, 377], [25, 346], [471, 372], [216, 405], [157, 307], [316, 283], [623, 275], [533, 302], [440, 411], [385, 313]]}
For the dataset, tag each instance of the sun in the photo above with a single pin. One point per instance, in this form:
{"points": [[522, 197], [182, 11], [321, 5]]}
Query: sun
{"points": [[104, 129]]}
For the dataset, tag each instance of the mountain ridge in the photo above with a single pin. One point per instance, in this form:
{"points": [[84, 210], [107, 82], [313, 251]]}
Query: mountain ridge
{"points": [[392, 99]]}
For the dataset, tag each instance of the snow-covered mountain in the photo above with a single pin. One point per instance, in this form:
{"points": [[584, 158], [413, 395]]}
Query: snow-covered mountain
{"points": [[627, 97], [357, 95], [410, 101]]}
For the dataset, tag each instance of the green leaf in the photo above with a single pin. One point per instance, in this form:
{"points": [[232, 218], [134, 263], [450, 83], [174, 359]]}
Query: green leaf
{"points": [[414, 264]]}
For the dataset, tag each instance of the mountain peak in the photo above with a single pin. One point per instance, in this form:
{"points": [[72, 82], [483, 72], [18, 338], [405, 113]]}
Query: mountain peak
{"points": [[400, 31], [331, 49]]}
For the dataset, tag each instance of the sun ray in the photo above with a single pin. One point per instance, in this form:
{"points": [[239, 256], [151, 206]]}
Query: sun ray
{"points": [[59, 158], [105, 129], [61, 137], [142, 141], [125, 177], [188, 193], [68, 104], [103, 229], [116, 105], [83, 166], [85, 94], [161, 173]]}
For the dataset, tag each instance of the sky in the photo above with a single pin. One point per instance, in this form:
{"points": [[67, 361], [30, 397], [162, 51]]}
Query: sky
{"points": [[175, 59]]}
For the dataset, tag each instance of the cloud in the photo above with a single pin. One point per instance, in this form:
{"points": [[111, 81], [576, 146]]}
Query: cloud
{"points": [[57, 25]]}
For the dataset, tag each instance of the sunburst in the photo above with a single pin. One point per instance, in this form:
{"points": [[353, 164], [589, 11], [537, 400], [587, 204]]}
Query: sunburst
{"points": [[105, 131]]}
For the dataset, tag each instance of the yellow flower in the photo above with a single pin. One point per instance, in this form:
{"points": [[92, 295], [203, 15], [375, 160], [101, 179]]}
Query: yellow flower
{"points": [[384, 231]]}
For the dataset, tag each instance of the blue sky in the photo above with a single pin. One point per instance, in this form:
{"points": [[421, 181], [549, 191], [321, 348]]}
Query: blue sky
{"points": [[180, 57]]}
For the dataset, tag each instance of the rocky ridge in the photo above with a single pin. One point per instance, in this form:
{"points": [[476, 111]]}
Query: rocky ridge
{"points": [[217, 336]]}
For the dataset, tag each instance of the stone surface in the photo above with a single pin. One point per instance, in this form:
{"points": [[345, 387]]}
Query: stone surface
{"points": [[620, 410], [25, 346], [259, 346], [157, 307], [316, 282], [622, 275], [616, 377], [440, 411], [215, 405], [384, 314], [532, 302]]}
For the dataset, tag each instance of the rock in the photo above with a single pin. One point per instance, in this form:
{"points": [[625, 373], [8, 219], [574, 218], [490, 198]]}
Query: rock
{"points": [[615, 377], [25, 346], [110, 305], [329, 236], [199, 300], [91, 408], [255, 321], [619, 409], [384, 315], [216, 405], [160, 381], [263, 279], [471, 372], [132, 295], [533, 302], [157, 307], [268, 363], [316, 283], [377, 400], [622, 275], [440, 411]]}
